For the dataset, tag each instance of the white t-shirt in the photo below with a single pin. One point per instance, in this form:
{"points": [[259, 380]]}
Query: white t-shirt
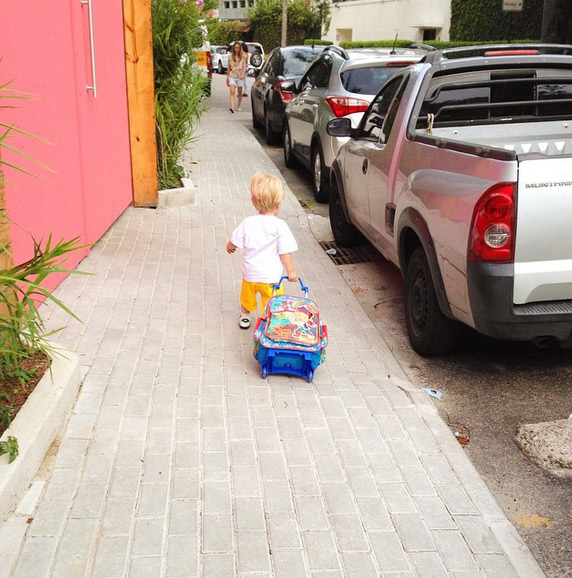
{"points": [[263, 238]]}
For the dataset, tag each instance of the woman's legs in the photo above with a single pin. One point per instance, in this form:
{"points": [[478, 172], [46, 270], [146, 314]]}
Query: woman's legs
{"points": [[232, 88], [239, 96]]}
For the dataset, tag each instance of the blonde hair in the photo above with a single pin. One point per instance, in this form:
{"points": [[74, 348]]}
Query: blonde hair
{"points": [[266, 192]]}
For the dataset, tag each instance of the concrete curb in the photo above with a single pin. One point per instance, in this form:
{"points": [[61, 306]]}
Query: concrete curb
{"points": [[179, 197], [36, 426]]}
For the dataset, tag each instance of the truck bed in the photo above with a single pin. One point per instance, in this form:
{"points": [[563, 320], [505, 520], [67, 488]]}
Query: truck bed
{"points": [[552, 138]]}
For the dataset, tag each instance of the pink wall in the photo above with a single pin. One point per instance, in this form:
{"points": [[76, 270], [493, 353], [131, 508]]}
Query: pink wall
{"points": [[45, 51]]}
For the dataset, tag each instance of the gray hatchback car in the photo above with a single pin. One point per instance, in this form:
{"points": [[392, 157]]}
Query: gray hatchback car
{"points": [[338, 83]]}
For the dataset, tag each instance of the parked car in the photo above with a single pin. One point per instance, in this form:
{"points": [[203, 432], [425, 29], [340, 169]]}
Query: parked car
{"points": [[337, 83], [216, 53], [459, 173], [255, 57], [267, 99]]}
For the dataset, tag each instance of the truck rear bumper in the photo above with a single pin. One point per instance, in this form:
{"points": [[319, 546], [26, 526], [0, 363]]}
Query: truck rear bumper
{"points": [[494, 313]]}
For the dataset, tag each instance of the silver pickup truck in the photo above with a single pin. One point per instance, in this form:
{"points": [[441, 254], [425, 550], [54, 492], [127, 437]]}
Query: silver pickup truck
{"points": [[460, 172]]}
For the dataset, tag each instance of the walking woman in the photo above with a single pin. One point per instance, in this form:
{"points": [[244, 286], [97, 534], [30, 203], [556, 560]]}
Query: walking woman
{"points": [[235, 72]]}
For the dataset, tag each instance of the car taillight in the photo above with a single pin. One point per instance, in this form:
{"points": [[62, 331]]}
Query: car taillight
{"points": [[342, 105], [285, 96], [492, 230], [209, 60]]}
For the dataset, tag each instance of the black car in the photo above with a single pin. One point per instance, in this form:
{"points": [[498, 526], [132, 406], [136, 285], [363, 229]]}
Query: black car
{"points": [[268, 101]]}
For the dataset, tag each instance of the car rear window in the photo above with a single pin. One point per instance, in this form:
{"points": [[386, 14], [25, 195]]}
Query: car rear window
{"points": [[367, 80], [297, 61]]}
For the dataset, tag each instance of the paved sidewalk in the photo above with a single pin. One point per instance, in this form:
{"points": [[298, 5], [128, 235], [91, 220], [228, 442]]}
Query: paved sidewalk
{"points": [[180, 461]]}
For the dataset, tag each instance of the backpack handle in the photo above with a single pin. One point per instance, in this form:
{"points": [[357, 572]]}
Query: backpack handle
{"points": [[304, 287]]}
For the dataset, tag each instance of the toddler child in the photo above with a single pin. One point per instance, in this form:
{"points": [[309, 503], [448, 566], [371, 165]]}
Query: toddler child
{"points": [[267, 245]]}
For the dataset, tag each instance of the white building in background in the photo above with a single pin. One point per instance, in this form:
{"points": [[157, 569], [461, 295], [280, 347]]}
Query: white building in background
{"points": [[234, 9], [415, 20]]}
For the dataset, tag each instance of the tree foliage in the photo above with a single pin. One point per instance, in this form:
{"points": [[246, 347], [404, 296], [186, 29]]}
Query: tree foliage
{"points": [[484, 20], [304, 21], [223, 32]]}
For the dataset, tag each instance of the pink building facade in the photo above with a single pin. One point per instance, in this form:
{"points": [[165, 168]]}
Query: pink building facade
{"points": [[69, 57]]}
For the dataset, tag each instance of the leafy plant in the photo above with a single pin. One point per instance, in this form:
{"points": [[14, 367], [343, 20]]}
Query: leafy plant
{"points": [[10, 446], [22, 330], [6, 410], [179, 85]]}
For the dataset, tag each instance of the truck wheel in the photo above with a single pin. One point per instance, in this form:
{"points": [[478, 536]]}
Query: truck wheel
{"points": [[345, 234], [430, 332], [321, 185], [287, 146], [220, 69]]}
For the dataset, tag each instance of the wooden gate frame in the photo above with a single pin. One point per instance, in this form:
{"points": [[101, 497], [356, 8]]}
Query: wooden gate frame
{"points": [[141, 101]]}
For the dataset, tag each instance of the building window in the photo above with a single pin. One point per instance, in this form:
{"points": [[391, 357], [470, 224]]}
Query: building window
{"points": [[430, 34]]}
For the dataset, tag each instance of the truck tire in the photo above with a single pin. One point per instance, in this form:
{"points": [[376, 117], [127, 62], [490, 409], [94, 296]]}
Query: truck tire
{"points": [[345, 234], [430, 332]]}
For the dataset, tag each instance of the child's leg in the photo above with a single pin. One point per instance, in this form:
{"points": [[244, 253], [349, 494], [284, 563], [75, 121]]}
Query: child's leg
{"points": [[247, 303]]}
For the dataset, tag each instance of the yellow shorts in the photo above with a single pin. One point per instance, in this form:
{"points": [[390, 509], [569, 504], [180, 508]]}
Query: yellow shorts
{"points": [[249, 291]]}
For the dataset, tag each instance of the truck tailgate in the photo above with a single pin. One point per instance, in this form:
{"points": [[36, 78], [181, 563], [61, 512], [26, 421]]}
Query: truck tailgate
{"points": [[543, 251]]}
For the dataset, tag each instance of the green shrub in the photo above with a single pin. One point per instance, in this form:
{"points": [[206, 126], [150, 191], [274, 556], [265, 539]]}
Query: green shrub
{"points": [[223, 32], [179, 86], [484, 20], [437, 44], [317, 42]]}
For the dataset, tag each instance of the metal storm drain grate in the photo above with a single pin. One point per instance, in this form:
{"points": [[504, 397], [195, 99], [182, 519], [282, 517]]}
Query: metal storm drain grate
{"points": [[349, 256]]}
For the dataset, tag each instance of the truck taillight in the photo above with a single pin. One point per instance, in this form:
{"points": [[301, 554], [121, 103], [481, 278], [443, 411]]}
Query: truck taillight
{"points": [[493, 224], [342, 105]]}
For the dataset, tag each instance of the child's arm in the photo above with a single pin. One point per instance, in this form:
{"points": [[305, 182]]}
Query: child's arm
{"points": [[231, 247], [288, 263]]}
